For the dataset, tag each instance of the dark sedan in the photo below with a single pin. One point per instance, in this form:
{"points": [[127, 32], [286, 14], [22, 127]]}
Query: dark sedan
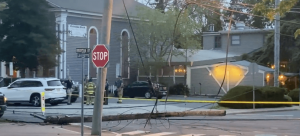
{"points": [[142, 89]]}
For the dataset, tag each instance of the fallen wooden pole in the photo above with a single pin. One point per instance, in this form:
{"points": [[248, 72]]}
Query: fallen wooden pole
{"points": [[66, 120]]}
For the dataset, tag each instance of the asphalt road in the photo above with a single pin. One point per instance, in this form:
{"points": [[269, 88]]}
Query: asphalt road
{"points": [[276, 123], [261, 124], [22, 112]]}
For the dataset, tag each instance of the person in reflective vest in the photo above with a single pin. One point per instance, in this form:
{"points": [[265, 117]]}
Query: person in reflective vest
{"points": [[85, 81], [119, 84], [90, 88]]}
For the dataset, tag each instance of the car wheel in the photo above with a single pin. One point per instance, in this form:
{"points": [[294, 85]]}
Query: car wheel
{"points": [[73, 100], [36, 100], [148, 95], [1, 114]]}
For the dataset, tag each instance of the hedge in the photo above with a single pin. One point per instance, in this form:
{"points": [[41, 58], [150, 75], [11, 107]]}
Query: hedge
{"points": [[288, 99], [294, 94], [179, 89], [245, 93]]}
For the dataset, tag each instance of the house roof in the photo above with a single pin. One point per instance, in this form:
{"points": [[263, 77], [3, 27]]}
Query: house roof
{"points": [[247, 63], [95, 6], [201, 55], [239, 31]]}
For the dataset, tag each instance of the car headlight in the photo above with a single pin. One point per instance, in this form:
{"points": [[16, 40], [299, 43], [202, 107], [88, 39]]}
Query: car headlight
{"points": [[5, 99]]}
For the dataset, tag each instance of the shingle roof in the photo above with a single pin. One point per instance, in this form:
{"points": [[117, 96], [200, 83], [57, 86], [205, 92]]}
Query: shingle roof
{"points": [[239, 31], [95, 6], [247, 63], [201, 55]]}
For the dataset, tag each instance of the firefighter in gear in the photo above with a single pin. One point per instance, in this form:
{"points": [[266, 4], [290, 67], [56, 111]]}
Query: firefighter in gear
{"points": [[119, 84], [90, 88], [85, 81]]}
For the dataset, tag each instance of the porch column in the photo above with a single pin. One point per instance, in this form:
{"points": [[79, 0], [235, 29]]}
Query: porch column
{"points": [[188, 76], [3, 70], [174, 75], [138, 74]]}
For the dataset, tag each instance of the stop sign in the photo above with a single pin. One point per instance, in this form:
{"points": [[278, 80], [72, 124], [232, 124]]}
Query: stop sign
{"points": [[100, 56]]}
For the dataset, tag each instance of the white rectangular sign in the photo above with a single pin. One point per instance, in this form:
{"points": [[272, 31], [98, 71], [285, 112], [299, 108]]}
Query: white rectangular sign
{"points": [[77, 30]]}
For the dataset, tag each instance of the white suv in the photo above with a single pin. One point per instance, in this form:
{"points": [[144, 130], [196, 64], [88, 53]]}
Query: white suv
{"points": [[29, 90]]}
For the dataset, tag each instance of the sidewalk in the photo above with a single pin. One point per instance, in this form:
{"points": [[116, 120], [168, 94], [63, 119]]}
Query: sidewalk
{"points": [[24, 129], [243, 111]]}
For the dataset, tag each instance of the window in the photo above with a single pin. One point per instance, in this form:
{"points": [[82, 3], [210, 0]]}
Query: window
{"points": [[218, 42], [144, 83], [54, 83], [125, 55], [134, 84], [16, 84], [235, 40], [31, 84]]}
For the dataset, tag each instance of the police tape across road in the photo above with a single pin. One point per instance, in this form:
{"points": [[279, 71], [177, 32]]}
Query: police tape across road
{"points": [[206, 101]]}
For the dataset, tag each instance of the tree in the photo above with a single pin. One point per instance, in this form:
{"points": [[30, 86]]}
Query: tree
{"points": [[28, 33], [2, 5], [155, 35], [289, 45], [243, 11], [266, 8]]}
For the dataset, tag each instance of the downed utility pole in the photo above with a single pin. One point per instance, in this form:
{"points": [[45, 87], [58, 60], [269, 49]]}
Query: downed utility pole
{"points": [[64, 120], [101, 73]]}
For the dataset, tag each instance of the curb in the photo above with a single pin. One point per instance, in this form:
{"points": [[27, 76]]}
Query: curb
{"points": [[105, 131], [258, 111]]}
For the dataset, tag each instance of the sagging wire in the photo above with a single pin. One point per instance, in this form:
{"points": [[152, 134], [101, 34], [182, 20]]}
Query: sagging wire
{"points": [[149, 78], [226, 59]]}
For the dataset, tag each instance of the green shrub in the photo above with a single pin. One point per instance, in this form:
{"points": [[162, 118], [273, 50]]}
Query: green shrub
{"points": [[179, 89], [294, 94], [286, 91], [288, 99], [245, 93]]}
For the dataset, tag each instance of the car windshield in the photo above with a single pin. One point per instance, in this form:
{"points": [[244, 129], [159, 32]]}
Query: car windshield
{"points": [[54, 83]]}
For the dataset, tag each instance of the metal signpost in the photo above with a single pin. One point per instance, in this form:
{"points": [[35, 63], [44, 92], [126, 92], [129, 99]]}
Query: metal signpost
{"points": [[82, 53], [253, 69]]}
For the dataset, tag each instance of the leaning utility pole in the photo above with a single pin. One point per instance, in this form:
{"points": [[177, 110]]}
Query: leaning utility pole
{"points": [[101, 73], [277, 46]]}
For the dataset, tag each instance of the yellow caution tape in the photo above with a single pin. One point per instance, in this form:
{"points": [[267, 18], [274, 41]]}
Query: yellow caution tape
{"points": [[206, 101]]}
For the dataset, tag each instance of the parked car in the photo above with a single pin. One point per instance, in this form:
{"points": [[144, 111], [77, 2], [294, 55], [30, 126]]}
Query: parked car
{"points": [[26, 90], [75, 90], [2, 104], [142, 89]]}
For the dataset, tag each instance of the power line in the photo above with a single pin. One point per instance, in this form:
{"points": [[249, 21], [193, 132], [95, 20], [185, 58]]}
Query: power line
{"points": [[235, 11], [237, 21]]}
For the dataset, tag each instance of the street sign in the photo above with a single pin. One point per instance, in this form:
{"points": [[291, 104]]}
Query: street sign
{"points": [[253, 68], [100, 55], [83, 50], [79, 55], [43, 102]]}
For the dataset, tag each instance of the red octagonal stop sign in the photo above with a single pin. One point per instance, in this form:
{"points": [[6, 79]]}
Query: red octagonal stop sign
{"points": [[100, 56]]}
